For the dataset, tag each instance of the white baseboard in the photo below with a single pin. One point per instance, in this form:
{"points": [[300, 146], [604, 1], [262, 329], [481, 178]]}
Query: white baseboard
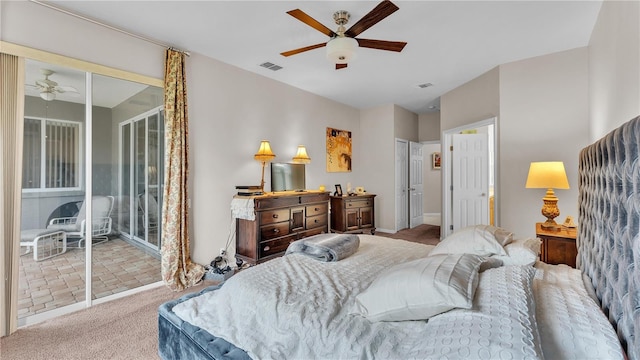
{"points": [[431, 219]]}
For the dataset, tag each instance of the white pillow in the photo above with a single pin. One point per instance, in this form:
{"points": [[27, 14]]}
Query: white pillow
{"points": [[483, 240], [521, 252], [420, 289]]}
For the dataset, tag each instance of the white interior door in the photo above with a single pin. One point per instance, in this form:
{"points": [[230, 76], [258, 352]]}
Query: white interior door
{"points": [[402, 197], [470, 180], [416, 174]]}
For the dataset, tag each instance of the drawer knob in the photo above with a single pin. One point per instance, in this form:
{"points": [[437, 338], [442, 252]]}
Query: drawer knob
{"points": [[315, 221], [275, 231], [350, 204], [266, 248], [316, 209], [275, 216]]}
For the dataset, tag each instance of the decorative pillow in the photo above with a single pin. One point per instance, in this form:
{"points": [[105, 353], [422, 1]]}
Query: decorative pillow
{"points": [[490, 263], [483, 240], [420, 289], [521, 252]]}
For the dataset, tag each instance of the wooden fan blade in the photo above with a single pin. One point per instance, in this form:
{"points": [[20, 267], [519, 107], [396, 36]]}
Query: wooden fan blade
{"points": [[306, 48], [302, 16], [380, 12], [382, 44], [340, 66]]}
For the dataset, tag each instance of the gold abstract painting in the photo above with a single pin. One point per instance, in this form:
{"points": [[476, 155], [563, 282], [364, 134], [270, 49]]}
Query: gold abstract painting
{"points": [[338, 150]]}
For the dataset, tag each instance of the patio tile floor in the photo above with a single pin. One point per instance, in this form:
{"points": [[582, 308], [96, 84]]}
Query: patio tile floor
{"points": [[59, 281]]}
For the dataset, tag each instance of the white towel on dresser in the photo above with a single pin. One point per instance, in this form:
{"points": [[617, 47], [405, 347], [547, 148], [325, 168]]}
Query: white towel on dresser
{"points": [[243, 208]]}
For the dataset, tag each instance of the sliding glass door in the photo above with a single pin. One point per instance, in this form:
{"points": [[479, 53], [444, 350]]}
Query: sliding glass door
{"points": [[90, 199], [141, 176]]}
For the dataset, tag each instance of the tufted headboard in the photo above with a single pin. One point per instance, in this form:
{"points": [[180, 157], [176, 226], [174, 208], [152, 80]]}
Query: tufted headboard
{"points": [[609, 228]]}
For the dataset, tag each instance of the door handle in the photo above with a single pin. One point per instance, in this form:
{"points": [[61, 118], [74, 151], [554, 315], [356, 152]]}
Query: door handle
{"points": [[483, 194]]}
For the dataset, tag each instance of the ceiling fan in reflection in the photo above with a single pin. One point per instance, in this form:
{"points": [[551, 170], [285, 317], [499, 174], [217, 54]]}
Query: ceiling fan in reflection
{"points": [[49, 88]]}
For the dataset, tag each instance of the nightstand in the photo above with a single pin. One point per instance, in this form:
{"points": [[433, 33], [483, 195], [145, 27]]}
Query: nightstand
{"points": [[558, 246]]}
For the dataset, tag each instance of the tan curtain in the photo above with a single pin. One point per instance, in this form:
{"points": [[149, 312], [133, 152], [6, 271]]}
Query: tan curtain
{"points": [[11, 132], [178, 272]]}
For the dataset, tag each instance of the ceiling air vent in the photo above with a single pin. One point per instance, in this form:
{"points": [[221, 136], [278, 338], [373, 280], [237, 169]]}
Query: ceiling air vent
{"points": [[271, 66], [425, 85]]}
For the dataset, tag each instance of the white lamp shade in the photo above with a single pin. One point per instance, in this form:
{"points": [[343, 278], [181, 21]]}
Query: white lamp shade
{"points": [[342, 49], [547, 175], [48, 95]]}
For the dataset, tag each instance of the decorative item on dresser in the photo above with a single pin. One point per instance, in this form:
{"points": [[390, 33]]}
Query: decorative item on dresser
{"points": [[558, 246], [280, 220], [353, 214]]}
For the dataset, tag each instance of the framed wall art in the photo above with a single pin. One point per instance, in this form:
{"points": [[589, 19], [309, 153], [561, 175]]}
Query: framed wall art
{"points": [[338, 150], [435, 161]]}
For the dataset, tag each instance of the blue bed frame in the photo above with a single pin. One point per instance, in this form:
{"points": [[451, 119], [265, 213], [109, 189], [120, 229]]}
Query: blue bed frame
{"points": [[609, 232], [608, 250]]}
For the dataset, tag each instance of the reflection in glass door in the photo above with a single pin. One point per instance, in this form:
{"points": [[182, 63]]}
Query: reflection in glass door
{"points": [[141, 169]]}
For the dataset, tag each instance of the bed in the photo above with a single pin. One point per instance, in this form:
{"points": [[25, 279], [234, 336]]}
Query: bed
{"points": [[498, 304]]}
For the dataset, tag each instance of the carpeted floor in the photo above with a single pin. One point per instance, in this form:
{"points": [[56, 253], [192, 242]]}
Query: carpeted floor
{"points": [[126, 328], [423, 234]]}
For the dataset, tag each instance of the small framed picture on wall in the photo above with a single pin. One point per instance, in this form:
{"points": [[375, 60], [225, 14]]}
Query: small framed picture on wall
{"points": [[435, 161]]}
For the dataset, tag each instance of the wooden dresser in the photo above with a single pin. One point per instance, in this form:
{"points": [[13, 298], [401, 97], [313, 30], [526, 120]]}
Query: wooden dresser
{"points": [[353, 214], [558, 246], [280, 220]]}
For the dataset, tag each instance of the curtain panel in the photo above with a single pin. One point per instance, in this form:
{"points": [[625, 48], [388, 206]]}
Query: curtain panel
{"points": [[178, 272], [11, 133]]}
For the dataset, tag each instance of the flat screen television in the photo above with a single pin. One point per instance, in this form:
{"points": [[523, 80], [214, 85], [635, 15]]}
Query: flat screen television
{"points": [[287, 177]]}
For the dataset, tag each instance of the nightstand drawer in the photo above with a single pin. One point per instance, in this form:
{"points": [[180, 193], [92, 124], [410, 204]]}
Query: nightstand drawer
{"points": [[358, 204], [558, 245]]}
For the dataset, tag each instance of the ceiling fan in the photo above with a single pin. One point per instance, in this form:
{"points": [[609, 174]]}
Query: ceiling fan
{"points": [[343, 43], [49, 88]]}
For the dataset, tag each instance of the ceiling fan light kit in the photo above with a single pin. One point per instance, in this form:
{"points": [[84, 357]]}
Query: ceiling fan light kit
{"points": [[342, 50], [48, 95]]}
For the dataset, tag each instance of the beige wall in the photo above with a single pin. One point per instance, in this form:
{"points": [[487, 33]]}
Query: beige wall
{"points": [[614, 67], [542, 109], [429, 126], [405, 124], [543, 116], [432, 180], [378, 162], [477, 100]]}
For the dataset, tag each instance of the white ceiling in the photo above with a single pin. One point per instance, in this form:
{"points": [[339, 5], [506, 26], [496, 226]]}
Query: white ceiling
{"points": [[449, 42]]}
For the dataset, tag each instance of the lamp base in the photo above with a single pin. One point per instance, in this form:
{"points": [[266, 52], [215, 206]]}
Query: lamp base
{"points": [[550, 210], [550, 224]]}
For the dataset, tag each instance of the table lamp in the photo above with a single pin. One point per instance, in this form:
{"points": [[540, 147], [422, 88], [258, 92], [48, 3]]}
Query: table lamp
{"points": [[264, 155], [301, 156], [548, 175]]}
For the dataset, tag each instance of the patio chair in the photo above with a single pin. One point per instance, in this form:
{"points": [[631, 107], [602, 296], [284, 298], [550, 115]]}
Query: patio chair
{"points": [[150, 222], [74, 227]]}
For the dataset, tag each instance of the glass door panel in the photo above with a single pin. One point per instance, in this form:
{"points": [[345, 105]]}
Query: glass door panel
{"points": [[121, 171], [52, 269]]}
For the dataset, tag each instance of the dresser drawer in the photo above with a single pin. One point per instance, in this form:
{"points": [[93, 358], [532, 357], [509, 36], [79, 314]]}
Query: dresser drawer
{"points": [[274, 216], [275, 230], [316, 209], [358, 203], [276, 246], [316, 221]]}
